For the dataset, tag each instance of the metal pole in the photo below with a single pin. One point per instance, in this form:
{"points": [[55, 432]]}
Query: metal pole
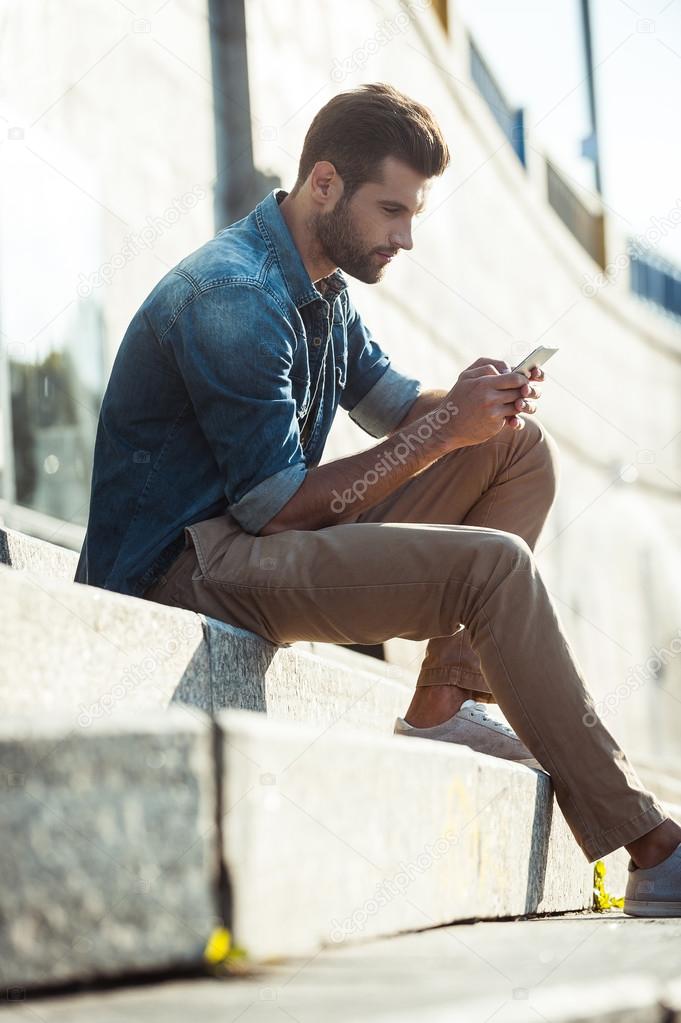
{"points": [[588, 59], [239, 184]]}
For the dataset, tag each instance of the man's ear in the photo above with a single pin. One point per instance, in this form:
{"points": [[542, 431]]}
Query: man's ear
{"points": [[326, 184]]}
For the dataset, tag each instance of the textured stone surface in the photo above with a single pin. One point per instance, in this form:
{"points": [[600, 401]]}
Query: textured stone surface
{"points": [[334, 799], [333, 837], [328, 837], [28, 554], [299, 684], [90, 653], [108, 854], [94, 653]]}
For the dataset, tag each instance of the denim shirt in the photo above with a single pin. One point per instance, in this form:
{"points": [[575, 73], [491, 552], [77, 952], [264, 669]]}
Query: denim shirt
{"points": [[221, 397]]}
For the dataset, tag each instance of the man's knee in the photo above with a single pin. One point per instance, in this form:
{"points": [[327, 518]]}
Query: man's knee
{"points": [[509, 548]]}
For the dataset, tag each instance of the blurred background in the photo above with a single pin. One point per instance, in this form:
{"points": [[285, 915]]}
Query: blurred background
{"points": [[131, 132]]}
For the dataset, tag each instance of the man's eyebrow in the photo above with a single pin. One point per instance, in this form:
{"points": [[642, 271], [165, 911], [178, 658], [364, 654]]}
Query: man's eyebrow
{"points": [[400, 205]]}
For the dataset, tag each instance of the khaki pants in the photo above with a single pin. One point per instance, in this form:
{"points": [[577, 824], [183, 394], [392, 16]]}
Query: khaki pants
{"points": [[446, 557]]}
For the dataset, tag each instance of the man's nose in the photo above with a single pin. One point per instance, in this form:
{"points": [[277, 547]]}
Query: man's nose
{"points": [[402, 240]]}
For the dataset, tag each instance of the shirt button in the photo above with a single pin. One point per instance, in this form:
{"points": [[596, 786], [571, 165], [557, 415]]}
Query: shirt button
{"points": [[316, 341]]}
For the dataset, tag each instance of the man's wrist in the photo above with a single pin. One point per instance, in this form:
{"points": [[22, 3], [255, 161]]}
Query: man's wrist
{"points": [[427, 401], [429, 436]]}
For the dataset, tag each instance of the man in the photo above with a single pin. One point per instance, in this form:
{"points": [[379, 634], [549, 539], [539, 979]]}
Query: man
{"points": [[207, 491]]}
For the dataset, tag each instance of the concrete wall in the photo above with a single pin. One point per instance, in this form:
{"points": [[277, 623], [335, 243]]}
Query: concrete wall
{"points": [[502, 274]]}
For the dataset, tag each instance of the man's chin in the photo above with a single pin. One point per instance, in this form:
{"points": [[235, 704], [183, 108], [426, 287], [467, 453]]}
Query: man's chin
{"points": [[367, 275]]}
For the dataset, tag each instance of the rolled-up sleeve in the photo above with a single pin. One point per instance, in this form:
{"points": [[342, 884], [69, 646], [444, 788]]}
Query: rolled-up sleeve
{"points": [[234, 348], [376, 395]]}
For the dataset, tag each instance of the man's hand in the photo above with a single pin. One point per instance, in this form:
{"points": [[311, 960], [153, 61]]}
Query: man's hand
{"points": [[488, 394]]}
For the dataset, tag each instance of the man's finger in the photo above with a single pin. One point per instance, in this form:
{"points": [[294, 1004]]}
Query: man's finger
{"points": [[508, 404], [498, 364], [506, 381], [481, 371]]}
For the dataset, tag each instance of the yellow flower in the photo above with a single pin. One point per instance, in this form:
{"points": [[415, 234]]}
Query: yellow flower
{"points": [[223, 956], [602, 899], [218, 945]]}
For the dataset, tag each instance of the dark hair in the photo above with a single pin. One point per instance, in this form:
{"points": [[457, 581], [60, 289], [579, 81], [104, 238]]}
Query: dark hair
{"points": [[356, 130]]}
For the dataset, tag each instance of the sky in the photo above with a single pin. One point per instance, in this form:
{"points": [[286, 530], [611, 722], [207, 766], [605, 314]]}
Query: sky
{"points": [[535, 51]]}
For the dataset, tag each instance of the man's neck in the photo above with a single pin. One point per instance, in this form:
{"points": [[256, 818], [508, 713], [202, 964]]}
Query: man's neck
{"points": [[316, 264]]}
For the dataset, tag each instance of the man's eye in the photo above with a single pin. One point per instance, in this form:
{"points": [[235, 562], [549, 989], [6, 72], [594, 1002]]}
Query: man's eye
{"points": [[393, 212]]}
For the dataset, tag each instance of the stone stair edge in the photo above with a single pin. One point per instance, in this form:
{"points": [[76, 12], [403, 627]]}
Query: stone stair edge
{"points": [[180, 718], [213, 629], [233, 741], [238, 746], [46, 552], [25, 546], [667, 775]]}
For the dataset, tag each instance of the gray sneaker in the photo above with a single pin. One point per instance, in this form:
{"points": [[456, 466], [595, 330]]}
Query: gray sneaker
{"points": [[472, 726], [654, 891]]}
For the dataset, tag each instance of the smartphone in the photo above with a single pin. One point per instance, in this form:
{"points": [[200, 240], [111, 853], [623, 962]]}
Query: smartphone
{"points": [[536, 358]]}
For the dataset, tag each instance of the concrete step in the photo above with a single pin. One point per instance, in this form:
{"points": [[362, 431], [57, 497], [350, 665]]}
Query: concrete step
{"points": [[108, 861], [28, 554], [346, 837], [111, 841], [95, 653], [47, 561], [232, 668], [326, 835]]}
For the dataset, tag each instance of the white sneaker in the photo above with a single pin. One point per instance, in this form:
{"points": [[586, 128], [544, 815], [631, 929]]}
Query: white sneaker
{"points": [[473, 727], [654, 891]]}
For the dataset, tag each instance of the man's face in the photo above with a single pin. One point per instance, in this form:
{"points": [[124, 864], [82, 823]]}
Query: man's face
{"points": [[377, 219]]}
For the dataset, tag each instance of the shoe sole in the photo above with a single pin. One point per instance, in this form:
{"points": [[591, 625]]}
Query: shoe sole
{"points": [[525, 763], [635, 907]]}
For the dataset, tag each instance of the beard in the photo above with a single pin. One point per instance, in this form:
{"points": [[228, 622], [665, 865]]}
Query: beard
{"points": [[340, 241]]}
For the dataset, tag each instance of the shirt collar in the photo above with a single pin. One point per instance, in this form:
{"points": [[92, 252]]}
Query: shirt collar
{"points": [[275, 230]]}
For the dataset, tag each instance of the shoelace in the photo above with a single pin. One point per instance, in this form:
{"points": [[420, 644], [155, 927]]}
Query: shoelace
{"points": [[478, 710]]}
